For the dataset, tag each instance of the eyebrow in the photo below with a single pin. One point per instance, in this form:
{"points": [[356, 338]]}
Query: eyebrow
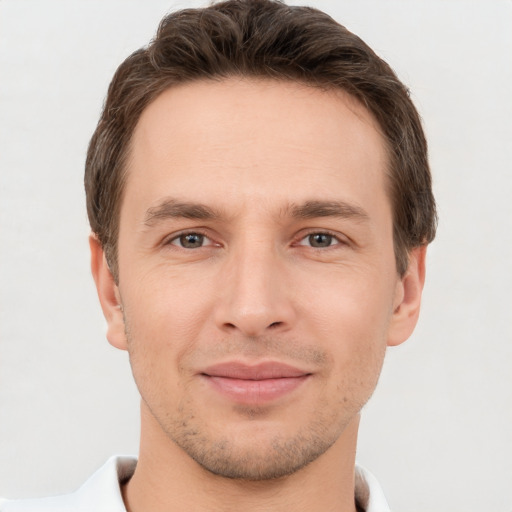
{"points": [[340, 209], [172, 208]]}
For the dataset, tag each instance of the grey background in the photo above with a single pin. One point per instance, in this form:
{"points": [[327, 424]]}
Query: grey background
{"points": [[437, 433]]}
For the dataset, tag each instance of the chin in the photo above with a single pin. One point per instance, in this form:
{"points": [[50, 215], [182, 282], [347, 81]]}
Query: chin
{"points": [[280, 459], [256, 453]]}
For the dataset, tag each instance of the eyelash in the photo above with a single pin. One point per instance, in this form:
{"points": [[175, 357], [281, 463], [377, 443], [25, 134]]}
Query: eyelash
{"points": [[177, 237], [333, 238]]}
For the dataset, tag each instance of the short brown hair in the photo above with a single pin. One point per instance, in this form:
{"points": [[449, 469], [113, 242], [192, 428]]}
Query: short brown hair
{"points": [[266, 39]]}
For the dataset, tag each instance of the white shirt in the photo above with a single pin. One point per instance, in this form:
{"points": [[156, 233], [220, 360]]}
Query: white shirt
{"points": [[102, 492]]}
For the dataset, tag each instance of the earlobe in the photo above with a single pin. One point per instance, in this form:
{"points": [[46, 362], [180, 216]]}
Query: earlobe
{"points": [[108, 293], [408, 298]]}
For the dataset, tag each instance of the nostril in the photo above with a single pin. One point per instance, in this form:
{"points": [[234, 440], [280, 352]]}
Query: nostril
{"points": [[252, 327]]}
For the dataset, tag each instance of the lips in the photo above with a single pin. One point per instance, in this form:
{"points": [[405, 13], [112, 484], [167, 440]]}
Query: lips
{"points": [[254, 384]]}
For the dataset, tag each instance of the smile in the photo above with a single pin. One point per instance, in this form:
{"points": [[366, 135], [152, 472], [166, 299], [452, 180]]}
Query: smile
{"points": [[254, 385]]}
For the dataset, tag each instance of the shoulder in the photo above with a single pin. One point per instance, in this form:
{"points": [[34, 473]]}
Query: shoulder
{"points": [[100, 493]]}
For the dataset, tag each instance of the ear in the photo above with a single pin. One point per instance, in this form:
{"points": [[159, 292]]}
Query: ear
{"points": [[108, 294], [408, 298]]}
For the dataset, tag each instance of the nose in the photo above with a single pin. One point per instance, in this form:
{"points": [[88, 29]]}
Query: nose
{"points": [[255, 297]]}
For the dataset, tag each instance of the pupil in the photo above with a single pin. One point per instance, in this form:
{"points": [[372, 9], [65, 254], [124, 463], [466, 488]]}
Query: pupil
{"points": [[320, 240], [192, 240]]}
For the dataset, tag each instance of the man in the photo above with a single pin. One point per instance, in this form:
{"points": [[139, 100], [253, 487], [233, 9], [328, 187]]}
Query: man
{"points": [[260, 201]]}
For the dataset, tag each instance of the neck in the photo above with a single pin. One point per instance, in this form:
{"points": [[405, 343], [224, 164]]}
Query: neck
{"points": [[166, 478]]}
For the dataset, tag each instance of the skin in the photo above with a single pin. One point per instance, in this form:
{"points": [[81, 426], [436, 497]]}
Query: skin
{"points": [[255, 227]]}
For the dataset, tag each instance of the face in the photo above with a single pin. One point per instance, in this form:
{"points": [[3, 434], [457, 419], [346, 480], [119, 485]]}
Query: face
{"points": [[257, 279]]}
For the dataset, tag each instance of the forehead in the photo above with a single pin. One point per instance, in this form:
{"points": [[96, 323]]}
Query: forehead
{"points": [[258, 140]]}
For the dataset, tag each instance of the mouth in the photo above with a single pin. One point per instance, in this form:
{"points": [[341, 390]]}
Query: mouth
{"points": [[254, 384]]}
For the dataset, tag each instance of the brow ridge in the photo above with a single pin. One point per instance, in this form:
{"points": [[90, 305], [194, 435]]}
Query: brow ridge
{"points": [[170, 208], [173, 208], [341, 209]]}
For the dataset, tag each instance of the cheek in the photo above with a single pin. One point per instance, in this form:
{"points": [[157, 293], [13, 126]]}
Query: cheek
{"points": [[166, 305], [164, 320], [352, 315], [355, 303], [358, 347]]}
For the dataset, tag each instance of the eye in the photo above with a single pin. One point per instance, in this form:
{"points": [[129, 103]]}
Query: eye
{"points": [[319, 240], [191, 240]]}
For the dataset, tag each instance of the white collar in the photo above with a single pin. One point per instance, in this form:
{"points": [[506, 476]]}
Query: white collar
{"points": [[102, 492], [369, 494]]}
